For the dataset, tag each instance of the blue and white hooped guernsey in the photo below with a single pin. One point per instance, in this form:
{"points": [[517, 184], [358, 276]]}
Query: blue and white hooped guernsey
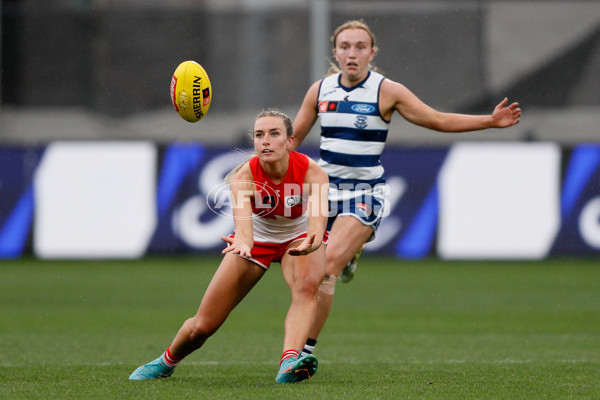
{"points": [[353, 135]]}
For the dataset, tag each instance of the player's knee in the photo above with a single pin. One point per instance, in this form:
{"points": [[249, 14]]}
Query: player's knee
{"points": [[328, 284], [308, 287]]}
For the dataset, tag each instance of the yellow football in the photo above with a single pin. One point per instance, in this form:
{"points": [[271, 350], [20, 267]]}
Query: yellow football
{"points": [[191, 91]]}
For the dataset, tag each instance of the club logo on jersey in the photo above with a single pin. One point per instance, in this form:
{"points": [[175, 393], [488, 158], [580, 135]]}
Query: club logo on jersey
{"points": [[291, 201], [269, 201], [363, 108], [361, 122], [265, 200], [328, 106]]}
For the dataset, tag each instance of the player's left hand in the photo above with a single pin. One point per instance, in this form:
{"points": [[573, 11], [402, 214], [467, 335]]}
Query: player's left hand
{"points": [[504, 116], [305, 247], [236, 246]]}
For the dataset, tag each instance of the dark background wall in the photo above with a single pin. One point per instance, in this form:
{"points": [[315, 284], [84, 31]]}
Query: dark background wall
{"points": [[115, 58]]}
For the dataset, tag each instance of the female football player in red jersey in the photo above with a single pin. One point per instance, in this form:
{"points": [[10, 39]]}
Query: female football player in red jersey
{"points": [[279, 200]]}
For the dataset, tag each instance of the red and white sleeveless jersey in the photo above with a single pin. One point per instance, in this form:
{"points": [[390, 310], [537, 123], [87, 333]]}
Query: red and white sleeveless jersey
{"points": [[279, 211]]}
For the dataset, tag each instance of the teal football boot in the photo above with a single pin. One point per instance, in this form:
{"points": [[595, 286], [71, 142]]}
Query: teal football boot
{"points": [[297, 369], [153, 370]]}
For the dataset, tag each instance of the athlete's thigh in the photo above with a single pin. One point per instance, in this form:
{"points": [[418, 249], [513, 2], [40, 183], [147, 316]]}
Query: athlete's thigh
{"points": [[232, 281], [300, 268], [346, 237]]}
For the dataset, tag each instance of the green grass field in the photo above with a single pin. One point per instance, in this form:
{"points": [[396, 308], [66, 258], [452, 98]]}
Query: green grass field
{"points": [[400, 330]]}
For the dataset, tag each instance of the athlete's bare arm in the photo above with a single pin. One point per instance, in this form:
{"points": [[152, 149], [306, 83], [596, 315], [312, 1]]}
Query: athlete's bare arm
{"points": [[242, 191], [307, 115], [396, 97]]}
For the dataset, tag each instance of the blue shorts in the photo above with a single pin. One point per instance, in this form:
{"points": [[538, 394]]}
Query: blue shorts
{"points": [[367, 208]]}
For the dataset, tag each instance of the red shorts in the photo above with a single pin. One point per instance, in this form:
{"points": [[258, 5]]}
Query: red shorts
{"points": [[264, 253]]}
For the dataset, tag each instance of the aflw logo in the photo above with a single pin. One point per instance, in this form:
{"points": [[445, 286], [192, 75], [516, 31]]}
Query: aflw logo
{"points": [[263, 198]]}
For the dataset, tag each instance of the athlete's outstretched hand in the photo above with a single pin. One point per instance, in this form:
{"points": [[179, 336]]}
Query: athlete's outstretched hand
{"points": [[305, 247], [236, 246], [504, 116]]}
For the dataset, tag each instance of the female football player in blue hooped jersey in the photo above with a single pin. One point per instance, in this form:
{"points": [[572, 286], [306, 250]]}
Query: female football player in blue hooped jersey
{"points": [[355, 105], [279, 201]]}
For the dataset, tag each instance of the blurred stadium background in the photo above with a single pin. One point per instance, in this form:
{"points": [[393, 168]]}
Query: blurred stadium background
{"points": [[95, 163]]}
